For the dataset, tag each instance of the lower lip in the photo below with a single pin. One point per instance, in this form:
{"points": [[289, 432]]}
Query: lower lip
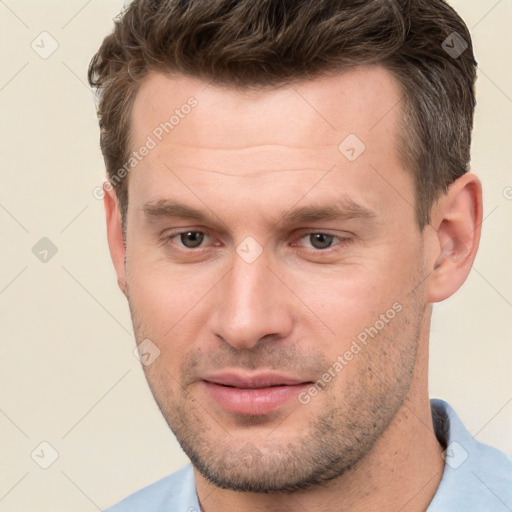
{"points": [[255, 401]]}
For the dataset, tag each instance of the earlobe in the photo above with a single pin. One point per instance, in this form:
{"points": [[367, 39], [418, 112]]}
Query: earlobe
{"points": [[115, 234], [456, 220]]}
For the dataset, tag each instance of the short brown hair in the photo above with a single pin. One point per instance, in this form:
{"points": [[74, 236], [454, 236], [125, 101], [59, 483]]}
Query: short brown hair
{"points": [[267, 43]]}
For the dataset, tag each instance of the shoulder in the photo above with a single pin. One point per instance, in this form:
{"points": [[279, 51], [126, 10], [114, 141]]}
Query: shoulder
{"points": [[476, 476], [174, 492]]}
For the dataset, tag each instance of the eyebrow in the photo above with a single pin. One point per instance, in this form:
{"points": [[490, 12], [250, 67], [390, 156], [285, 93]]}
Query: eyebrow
{"points": [[173, 209], [344, 209]]}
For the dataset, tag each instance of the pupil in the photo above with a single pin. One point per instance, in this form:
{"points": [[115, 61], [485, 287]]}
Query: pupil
{"points": [[192, 239], [321, 241]]}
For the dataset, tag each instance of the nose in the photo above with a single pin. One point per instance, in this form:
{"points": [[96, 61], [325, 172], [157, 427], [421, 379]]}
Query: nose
{"points": [[251, 305]]}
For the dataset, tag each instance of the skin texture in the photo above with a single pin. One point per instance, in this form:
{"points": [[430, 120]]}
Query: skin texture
{"points": [[245, 160]]}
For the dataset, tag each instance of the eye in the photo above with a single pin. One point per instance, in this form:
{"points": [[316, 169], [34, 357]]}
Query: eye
{"points": [[320, 240], [191, 239]]}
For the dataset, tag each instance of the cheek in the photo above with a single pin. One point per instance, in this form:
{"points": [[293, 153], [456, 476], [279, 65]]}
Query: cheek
{"points": [[162, 294], [352, 297]]}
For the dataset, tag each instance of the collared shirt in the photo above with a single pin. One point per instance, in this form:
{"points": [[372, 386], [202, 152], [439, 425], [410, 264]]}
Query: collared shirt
{"points": [[476, 477]]}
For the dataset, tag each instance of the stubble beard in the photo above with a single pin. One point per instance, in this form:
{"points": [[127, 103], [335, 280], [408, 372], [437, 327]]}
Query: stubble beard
{"points": [[332, 442]]}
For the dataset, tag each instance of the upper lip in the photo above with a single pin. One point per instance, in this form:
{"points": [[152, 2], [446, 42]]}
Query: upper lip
{"points": [[255, 380]]}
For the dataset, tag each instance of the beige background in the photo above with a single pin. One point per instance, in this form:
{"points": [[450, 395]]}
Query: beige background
{"points": [[67, 372]]}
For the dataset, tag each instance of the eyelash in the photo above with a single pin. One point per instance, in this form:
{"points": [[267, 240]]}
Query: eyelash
{"points": [[338, 241], [341, 241]]}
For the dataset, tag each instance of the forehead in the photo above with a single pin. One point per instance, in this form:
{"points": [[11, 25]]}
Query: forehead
{"points": [[272, 137], [360, 100]]}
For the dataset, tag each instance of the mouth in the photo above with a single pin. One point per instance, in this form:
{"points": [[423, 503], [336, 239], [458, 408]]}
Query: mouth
{"points": [[252, 394]]}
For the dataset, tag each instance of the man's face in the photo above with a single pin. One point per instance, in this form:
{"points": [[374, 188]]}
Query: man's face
{"points": [[278, 273]]}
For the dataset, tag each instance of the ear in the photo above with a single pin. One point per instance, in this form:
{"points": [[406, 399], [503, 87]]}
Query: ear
{"points": [[457, 220], [115, 234]]}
